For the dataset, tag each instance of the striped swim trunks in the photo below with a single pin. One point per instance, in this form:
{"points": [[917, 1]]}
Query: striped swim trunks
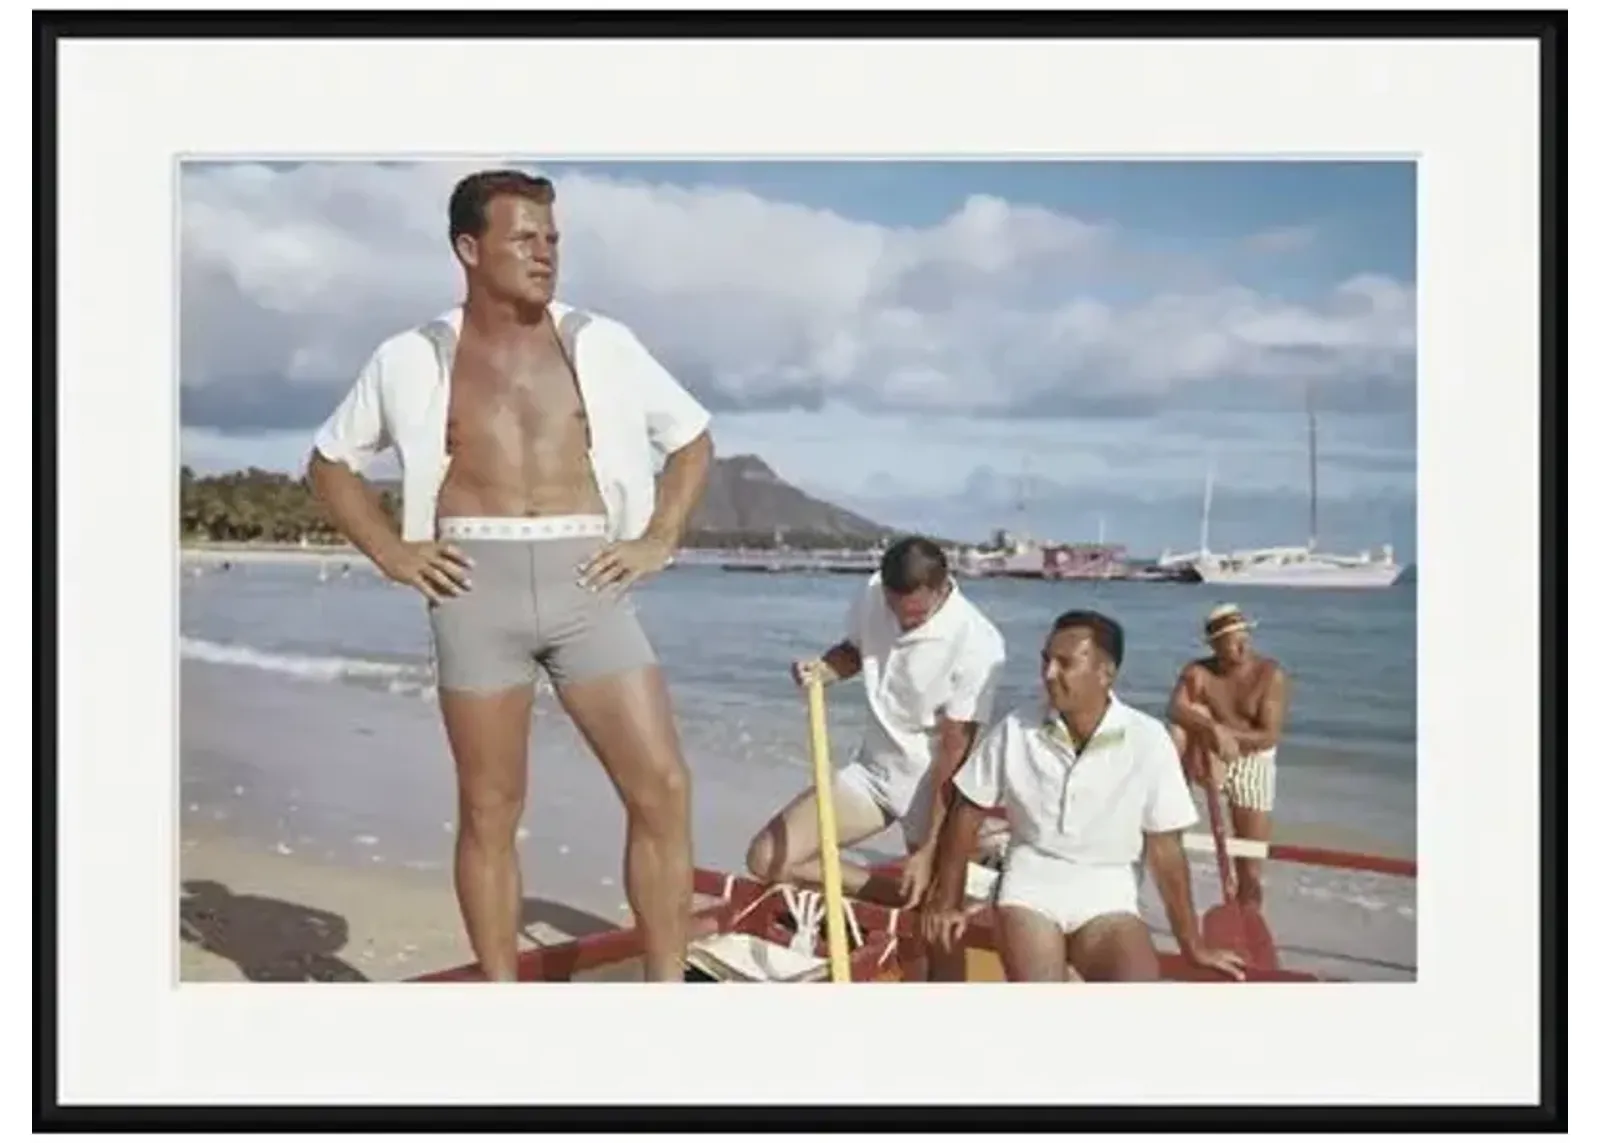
{"points": [[1251, 782]]}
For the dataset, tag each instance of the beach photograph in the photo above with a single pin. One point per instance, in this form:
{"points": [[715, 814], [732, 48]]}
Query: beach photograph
{"points": [[1165, 392], [997, 506]]}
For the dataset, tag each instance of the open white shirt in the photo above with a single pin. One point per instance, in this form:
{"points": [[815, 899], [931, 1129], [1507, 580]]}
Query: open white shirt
{"points": [[948, 666], [1093, 806], [401, 399]]}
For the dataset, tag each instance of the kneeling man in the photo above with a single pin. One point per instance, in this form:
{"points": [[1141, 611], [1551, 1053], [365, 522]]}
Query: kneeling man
{"points": [[930, 663], [1091, 787]]}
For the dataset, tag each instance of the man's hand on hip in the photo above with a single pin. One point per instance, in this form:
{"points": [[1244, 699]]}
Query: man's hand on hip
{"points": [[439, 571], [620, 565]]}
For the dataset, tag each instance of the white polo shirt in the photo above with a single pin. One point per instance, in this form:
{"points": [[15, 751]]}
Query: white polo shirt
{"points": [[401, 400], [1092, 807], [948, 666]]}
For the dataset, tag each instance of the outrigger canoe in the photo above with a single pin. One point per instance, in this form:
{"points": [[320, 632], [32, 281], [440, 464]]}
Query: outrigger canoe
{"points": [[745, 931]]}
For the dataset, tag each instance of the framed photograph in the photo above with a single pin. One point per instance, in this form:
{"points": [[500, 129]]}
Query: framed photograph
{"points": [[969, 499]]}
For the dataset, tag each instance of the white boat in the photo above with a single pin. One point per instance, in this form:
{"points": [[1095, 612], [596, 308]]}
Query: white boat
{"points": [[1301, 565], [1007, 554]]}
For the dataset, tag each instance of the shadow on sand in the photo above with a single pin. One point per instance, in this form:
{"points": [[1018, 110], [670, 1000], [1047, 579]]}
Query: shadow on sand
{"points": [[269, 939], [274, 940]]}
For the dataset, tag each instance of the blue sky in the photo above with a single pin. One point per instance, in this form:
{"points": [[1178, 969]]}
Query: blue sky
{"points": [[953, 346]]}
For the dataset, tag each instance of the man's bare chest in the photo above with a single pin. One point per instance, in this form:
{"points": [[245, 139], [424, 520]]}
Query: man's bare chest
{"points": [[528, 393], [1237, 697]]}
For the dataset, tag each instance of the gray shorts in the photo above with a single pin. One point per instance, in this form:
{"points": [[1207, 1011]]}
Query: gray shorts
{"points": [[525, 608]]}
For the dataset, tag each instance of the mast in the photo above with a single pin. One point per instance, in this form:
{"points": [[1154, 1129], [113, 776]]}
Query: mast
{"points": [[1205, 511], [1311, 424], [1023, 483]]}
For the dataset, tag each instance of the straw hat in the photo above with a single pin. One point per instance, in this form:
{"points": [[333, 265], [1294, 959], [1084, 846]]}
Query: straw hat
{"points": [[1226, 619]]}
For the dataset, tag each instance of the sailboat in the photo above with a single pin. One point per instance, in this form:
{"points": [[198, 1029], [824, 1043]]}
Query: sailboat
{"points": [[1303, 565], [1182, 564]]}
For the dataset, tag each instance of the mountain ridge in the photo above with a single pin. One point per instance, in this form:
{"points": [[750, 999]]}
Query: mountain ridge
{"points": [[747, 504]]}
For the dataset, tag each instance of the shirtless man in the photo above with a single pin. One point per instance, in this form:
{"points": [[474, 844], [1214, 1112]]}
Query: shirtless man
{"points": [[525, 431], [1226, 717]]}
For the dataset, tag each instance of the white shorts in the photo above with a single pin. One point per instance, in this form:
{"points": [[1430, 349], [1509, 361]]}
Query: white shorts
{"points": [[907, 801], [901, 799], [1251, 782], [1066, 892]]}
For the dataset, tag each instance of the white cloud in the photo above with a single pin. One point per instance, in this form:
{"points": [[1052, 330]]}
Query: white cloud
{"points": [[1157, 457], [291, 276]]}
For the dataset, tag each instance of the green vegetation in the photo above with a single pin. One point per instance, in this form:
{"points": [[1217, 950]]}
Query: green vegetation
{"points": [[257, 506]]}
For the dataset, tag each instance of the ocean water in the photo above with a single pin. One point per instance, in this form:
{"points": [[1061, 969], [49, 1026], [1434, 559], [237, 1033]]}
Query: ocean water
{"points": [[1348, 761]]}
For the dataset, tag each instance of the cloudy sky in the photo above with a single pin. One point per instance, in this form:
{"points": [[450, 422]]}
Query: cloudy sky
{"points": [[1059, 347]]}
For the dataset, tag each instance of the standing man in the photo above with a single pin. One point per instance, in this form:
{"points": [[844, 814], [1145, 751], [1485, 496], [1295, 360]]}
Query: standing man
{"points": [[930, 663], [525, 431], [1226, 717], [1090, 786]]}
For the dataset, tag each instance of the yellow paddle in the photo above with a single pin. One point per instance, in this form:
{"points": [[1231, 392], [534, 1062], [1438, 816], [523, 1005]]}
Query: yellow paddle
{"points": [[828, 837]]}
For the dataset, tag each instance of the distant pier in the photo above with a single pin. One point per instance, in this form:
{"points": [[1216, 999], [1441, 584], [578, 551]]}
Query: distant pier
{"points": [[793, 562], [1057, 562]]}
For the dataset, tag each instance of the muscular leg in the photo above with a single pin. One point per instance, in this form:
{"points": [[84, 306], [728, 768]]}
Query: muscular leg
{"points": [[786, 848], [1114, 947], [488, 736], [1247, 823], [1249, 789], [627, 720], [1032, 947], [1257, 826]]}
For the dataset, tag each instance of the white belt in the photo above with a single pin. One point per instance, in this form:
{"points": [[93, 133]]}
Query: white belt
{"points": [[521, 527]]}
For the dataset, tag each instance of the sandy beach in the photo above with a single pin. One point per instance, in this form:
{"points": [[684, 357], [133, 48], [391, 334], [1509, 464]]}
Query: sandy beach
{"points": [[247, 913], [318, 829]]}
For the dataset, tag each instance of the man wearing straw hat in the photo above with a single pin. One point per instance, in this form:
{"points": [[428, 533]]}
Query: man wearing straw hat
{"points": [[1226, 716], [929, 662]]}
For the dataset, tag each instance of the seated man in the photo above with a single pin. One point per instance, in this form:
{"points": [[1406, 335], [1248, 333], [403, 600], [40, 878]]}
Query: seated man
{"points": [[1090, 787], [1226, 717]]}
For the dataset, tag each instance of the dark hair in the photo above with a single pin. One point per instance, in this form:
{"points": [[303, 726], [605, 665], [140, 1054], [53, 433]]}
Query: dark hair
{"points": [[469, 201], [1105, 631], [911, 563]]}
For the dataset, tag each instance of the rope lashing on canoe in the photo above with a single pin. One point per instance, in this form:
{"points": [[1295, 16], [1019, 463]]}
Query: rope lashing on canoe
{"points": [[751, 907], [894, 938], [734, 955], [809, 910]]}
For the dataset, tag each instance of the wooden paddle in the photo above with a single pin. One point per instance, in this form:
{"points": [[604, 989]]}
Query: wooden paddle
{"points": [[1232, 925], [828, 837]]}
